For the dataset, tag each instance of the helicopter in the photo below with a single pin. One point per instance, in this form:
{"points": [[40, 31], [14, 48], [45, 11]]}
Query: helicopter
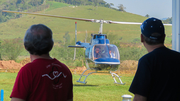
{"points": [[100, 55]]}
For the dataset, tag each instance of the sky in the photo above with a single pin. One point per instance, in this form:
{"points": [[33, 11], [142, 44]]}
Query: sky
{"points": [[154, 8]]}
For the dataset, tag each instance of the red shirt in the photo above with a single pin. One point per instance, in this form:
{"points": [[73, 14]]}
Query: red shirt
{"points": [[43, 80]]}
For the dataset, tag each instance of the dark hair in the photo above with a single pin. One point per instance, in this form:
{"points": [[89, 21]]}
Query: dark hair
{"points": [[38, 39], [153, 41]]}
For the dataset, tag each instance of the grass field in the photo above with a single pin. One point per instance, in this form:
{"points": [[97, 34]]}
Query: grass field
{"points": [[98, 87]]}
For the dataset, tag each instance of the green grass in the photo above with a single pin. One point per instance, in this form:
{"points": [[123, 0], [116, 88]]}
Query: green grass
{"points": [[54, 5], [6, 83], [98, 87]]}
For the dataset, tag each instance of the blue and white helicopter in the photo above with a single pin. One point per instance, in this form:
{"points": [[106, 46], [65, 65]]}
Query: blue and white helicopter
{"points": [[100, 55]]}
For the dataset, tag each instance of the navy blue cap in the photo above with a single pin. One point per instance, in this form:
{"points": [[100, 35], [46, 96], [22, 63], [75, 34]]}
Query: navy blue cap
{"points": [[152, 26]]}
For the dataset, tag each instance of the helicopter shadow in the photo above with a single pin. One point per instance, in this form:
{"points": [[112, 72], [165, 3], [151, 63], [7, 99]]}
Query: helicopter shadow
{"points": [[84, 85]]}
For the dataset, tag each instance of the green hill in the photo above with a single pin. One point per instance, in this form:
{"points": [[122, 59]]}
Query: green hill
{"points": [[16, 28]]}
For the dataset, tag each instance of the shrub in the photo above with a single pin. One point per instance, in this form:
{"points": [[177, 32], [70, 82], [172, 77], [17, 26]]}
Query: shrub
{"points": [[11, 48], [131, 53]]}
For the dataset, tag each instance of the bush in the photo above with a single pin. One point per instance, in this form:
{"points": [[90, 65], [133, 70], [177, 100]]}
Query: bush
{"points": [[132, 53], [65, 54], [11, 48], [77, 63]]}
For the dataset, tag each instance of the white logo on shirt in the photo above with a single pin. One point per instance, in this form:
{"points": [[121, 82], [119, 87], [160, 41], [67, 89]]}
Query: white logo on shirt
{"points": [[56, 74]]}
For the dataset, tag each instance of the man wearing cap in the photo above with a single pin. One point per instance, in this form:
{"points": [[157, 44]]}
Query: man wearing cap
{"points": [[158, 73]]}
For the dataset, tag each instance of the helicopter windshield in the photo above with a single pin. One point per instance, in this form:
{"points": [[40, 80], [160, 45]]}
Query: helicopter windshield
{"points": [[105, 51]]}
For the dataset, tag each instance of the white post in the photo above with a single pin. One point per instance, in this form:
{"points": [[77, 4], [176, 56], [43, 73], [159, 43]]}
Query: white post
{"points": [[75, 40], [126, 97], [176, 25]]}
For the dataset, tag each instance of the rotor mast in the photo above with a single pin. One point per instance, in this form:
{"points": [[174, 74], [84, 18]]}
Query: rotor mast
{"points": [[101, 26]]}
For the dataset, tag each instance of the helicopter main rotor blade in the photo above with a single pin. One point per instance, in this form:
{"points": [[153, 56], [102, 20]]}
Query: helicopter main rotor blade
{"points": [[81, 19], [55, 16], [130, 23]]}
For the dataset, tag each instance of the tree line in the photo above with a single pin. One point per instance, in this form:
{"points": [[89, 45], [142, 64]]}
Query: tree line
{"points": [[19, 5], [168, 21]]}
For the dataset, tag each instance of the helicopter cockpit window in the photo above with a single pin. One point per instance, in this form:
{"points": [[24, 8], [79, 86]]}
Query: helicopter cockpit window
{"points": [[100, 51], [105, 51], [113, 51]]}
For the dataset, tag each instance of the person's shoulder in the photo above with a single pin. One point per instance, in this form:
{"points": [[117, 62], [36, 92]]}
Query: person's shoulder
{"points": [[147, 58], [27, 65], [63, 66], [25, 68], [174, 54], [147, 55], [144, 58], [59, 62], [170, 52], [156, 52]]}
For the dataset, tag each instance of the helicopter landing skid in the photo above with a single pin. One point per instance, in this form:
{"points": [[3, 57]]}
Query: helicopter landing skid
{"points": [[115, 75], [84, 82]]}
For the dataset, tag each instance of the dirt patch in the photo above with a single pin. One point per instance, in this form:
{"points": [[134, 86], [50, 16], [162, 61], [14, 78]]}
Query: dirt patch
{"points": [[11, 64], [126, 67]]}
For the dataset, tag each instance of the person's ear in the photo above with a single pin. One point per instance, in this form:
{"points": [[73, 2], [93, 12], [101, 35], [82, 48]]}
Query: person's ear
{"points": [[142, 40]]}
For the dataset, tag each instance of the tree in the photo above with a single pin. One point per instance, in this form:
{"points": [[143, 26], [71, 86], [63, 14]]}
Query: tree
{"points": [[121, 8], [147, 15], [111, 4]]}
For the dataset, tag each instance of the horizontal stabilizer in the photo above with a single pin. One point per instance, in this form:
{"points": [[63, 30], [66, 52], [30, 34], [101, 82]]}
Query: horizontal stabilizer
{"points": [[76, 47]]}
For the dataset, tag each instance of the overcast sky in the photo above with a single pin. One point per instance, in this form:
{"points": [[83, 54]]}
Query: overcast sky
{"points": [[154, 8]]}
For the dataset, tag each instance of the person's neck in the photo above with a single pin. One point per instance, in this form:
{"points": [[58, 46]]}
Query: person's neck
{"points": [[44, 56], [150, 48]]}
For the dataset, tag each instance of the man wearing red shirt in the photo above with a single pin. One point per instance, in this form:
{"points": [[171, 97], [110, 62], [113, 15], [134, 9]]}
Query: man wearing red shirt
{"points": [[44, 78]]}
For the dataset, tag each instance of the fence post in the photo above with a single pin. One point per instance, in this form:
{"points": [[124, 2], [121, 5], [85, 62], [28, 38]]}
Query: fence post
{"points": [[126, 97], [2, 95]]}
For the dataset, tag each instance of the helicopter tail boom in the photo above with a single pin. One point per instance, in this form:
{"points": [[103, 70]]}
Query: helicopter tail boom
{"points": [[76, 47]]}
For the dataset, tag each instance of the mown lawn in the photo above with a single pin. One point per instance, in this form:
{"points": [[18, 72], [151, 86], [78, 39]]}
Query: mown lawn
{"points": [[98, 87]]}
